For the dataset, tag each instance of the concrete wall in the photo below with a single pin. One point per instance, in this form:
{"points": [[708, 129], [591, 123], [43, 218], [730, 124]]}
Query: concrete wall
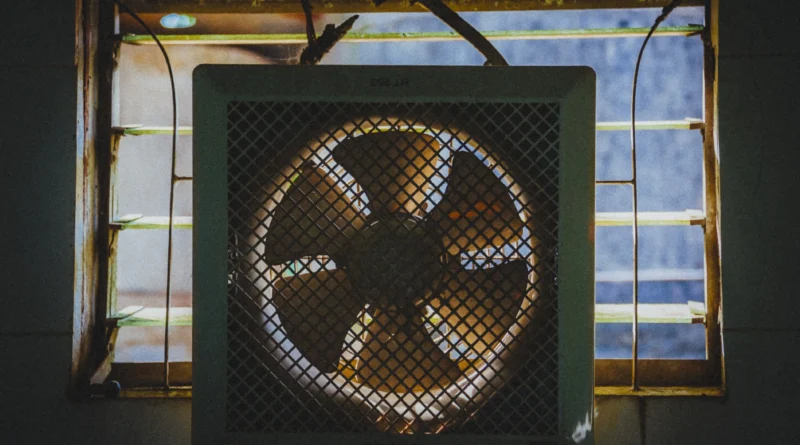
{"points": [[759, 66], [39, 101]]}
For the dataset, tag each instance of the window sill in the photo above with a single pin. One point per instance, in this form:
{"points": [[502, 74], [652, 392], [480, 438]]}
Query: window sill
{"points": [[180, 392], [185, 392], [693, 312], [659, 391]]}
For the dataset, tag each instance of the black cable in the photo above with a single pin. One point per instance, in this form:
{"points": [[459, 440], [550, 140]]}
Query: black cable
{"points": [[664, 13], [173, 177]]}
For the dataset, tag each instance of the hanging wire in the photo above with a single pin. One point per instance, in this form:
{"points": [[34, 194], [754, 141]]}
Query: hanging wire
{"points": [[634, 367], [173, 180]]}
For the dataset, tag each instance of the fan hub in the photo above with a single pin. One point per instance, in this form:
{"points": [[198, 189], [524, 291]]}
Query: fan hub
{"points": [[395, 261]]}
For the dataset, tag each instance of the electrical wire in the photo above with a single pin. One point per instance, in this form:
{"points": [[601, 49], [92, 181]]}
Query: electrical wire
{"points": [[634, 372], [173, 179]]}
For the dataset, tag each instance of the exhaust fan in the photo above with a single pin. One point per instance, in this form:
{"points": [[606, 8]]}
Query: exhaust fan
{"points": [[393, 254]]}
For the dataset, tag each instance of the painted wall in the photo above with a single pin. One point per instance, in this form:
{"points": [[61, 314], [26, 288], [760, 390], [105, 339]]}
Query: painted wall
{"points": [[758, 68], [38, 99]]}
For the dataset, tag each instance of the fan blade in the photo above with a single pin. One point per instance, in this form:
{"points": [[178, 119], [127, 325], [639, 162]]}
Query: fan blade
{"points": [[317, 310], [314, 217], [400, 356], [480, 305], [394, 167], [476, 210]]}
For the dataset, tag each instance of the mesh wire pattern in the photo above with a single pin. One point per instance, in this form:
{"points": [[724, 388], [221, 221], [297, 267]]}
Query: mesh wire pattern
{"points": [[392, 267]]}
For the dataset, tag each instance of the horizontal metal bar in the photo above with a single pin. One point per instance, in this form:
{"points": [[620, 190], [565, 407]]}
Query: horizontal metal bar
{"points": [[685, 218], [140, 130], [687, 124], [688, 217], [626, 276], [614, 182], [155, 316], [151, 222], [657, 391], [360, 6], [693, 312], [434, 36]]}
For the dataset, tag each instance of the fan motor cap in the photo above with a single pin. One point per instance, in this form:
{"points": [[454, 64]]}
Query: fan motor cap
{"points": [[395, 261]]}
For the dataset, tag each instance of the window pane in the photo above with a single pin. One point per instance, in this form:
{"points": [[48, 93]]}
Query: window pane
{"points": [[613, 249], [676, 291], [670, 247], [141, 281], [142, 266], [672, 341], [670, 170], [613, 157], [670, 176], [613, 340], [146, 344], [144, 176], [670, 272], [656, 341], [140, 345]]}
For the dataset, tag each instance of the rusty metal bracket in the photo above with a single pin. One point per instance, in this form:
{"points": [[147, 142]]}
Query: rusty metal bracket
{"points": [[319, 46], [97, 382]]}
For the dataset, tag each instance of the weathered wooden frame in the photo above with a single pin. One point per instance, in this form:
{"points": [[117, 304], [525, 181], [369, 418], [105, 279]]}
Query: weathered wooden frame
{"points": [[95, 289], [364, 6]]}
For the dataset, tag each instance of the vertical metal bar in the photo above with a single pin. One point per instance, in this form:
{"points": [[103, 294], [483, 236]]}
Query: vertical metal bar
{"points": [[635, 342], [635, 231], [174, 178], [635, 360], [168, 296], [711, 196]]}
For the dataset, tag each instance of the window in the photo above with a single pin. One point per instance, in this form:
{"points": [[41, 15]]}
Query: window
{"points": [[679, 340]]}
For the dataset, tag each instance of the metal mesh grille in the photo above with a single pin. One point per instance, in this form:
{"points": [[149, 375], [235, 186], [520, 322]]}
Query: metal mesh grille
{"points": [[392, 267]]}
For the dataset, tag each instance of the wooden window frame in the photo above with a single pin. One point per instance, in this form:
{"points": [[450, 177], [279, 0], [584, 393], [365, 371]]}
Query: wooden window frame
{"points": [[93, 348]]}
